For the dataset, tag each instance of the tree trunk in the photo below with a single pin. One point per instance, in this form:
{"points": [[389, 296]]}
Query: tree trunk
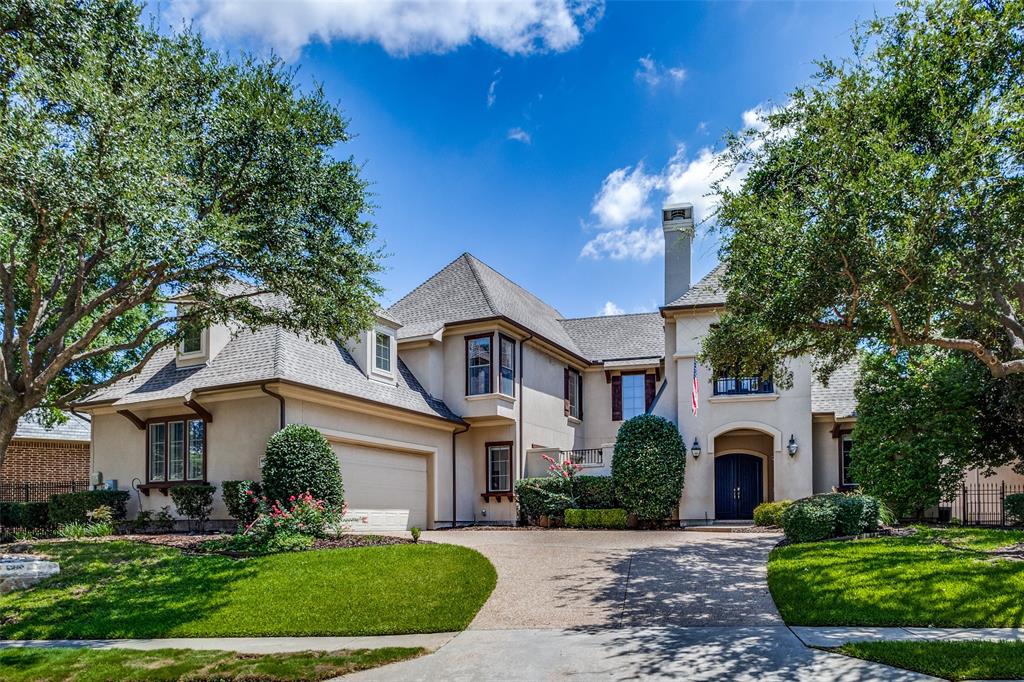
{"points": [[8, 425]]}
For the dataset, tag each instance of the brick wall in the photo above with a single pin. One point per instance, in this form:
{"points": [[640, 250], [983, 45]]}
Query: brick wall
{"points": [[45, 460]]}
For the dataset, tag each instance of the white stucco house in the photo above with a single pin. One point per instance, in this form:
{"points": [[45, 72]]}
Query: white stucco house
{"points": [[460, 388]]}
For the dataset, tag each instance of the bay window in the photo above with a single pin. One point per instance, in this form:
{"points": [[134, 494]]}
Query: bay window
{"points": [[506, 365]]}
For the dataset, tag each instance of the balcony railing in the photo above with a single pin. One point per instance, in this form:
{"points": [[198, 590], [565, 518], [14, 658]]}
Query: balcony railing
{"points": [[589, 457], [743, 385]]}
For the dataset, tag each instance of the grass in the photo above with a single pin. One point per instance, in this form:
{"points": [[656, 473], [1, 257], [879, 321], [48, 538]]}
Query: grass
{"points": [[949, 660], [123, 589], [935, 578], [167, 665]]}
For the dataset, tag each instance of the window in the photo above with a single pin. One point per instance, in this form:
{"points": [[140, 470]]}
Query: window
{"points": [[382, 352], [499, 467], [574, 393], [478, 365], [192, 342], [176, 449], [506, 365], [633, 400], [845, 459]]}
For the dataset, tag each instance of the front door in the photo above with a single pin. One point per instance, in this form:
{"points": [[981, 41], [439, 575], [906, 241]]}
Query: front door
{"points": [[738, 486]]}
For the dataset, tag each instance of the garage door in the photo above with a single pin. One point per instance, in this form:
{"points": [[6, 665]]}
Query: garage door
{"points": [[384, 490]]}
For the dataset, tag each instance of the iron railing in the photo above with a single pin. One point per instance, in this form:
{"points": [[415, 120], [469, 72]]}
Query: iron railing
{"points": [[39, 491], [743, 385], [982, 504], [585, 457]]}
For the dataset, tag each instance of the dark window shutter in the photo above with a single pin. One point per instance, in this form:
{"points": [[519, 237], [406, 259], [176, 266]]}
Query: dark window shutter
{"points": [[565, 386], [617, 398], [649, 390], [579, 392]]}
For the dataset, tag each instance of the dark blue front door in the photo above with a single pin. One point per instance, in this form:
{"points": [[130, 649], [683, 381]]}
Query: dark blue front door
{"points": [[738, 486]]}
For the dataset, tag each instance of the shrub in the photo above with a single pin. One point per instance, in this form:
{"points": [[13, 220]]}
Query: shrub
{"points": [[141, 522], [648, 467], [1014, 507], [596, 518], [809, 519], [72, 531], [594, 492], [242, 498], [194, 502], [542, 496], [770, 513], [299, 460], [163, 522], [285, 528], [72, 507], [415, 533], [29, 515]]}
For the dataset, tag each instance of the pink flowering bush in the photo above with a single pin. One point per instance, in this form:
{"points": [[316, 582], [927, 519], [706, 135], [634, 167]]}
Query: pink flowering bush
{"points": [[566, 469], [286, 526]]}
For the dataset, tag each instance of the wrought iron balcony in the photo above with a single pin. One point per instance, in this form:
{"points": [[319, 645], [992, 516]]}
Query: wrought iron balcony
{"points": [[743, 385]]}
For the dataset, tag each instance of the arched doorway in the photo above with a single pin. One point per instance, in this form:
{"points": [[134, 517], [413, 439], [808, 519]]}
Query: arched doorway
{"points": [[739, 485]]}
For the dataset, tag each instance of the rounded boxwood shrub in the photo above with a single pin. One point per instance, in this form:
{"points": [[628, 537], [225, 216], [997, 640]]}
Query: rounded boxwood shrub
{"points": [[770, 513], [1014, 507], [810, 519], [648, 467], [299, 459]]}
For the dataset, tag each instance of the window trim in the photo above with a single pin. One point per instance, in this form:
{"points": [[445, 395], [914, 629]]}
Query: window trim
{"points": [[391, 351], [167, 421], [203, 344], [487, 467], [490, 349], [622, 392], [501, 339]]}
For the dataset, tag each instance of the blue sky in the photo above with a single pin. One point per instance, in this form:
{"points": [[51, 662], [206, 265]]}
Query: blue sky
{"points": [[538, 136]]}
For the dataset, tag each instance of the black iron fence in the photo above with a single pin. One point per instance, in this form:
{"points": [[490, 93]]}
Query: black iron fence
{"points": [[743, 385], [39, 491], [982, 504]]}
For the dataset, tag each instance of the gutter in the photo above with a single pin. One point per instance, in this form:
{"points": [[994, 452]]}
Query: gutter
{"points": [[522, 398], [280, 399], [455, 514]]}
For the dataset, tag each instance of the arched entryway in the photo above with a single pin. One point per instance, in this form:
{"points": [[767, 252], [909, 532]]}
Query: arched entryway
{"points": [[739, 485]]}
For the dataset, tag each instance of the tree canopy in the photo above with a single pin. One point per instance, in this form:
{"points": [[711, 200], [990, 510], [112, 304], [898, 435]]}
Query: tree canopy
{"points": [[883, 205], [137, 168]]}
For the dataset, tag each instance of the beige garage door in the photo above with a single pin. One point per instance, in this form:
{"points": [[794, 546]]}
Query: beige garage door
{"points": [[384, 490]]}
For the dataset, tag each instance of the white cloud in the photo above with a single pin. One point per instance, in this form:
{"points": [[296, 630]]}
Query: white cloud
{"points": [[640, 244], [519, 135], [622, 198], [401, 27], [653, 74], [610, 308], [492, 95]]}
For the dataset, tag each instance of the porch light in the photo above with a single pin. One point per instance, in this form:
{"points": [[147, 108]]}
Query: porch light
{"points": [[792, 447], [695, 449]]}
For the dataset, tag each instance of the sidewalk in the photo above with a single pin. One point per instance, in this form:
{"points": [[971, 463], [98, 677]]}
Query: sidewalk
{"points": [[830, 637], [245, 645]]}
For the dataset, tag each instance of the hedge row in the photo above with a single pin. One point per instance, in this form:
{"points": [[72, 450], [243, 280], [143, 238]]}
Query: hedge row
{"points": [[30, 515], [596, 518], [72, 507], [551, 496], [831, 515]]}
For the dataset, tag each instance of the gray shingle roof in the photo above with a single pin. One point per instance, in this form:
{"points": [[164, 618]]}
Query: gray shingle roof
{"points": [[708, 291], [74, 428], [266, 355], [618, 337], [468, 289], [838, 397]]}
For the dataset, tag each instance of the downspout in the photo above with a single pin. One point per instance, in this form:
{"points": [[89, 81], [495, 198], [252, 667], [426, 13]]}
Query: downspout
{"points": [[522, 445], [455, 507], [280, 399]]}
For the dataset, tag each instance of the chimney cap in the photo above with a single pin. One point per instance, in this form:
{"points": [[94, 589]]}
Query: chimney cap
{"points": [[679, 204], [677, 215]]}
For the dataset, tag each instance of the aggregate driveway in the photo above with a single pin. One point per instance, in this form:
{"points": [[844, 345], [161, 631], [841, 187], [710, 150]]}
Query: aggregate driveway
{"points": [[566, 578]]}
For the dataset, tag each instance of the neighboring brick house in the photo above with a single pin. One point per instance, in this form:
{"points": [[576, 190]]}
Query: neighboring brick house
{"points": [[38, 454]]}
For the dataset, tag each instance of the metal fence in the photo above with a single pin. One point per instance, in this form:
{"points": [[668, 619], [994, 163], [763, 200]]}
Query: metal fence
{"points": [[743, 385], [39, 491], [981, 504]]}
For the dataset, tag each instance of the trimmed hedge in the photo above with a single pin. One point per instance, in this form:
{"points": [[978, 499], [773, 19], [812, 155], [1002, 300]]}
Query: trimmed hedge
{"points": [[834, 514], [1014, 508], [550, 495], [241, 506], [72, 507], [648, 467], [299, 459], [194, 502], [596, 518], [594, 492], [29, 515], [770, 513]]}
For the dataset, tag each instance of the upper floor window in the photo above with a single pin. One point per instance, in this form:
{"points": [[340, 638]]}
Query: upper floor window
{"points": [[633, 403], [573, 393], [730, 382], [506, 365], [192, 341], [382, 352], [478, 364], [846, 459]]}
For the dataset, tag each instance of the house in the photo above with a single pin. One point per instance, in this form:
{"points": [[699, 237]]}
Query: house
{"points": [[458, 391], [38, 454]]}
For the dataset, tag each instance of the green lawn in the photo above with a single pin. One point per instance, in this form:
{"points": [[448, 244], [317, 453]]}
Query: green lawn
{"points": [[949, 660], [939, 578], [125, 589], [168, 665]]}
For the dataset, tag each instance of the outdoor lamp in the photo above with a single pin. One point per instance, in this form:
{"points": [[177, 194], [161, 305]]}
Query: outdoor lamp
{"points": [[695, 449], [792, 447]]}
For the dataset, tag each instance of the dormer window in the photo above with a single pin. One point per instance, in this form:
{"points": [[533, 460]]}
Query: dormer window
{"points": [[382, 352], [192, 341]]}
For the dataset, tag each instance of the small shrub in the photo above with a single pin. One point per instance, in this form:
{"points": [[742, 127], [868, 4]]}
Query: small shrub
{"points": [[594, 492], [242, 498], [809, 520], [194, 502], [542, 496], [285, 528], [850, 514], [596, 518], [72, 531], [415, 532], [770, 513], [648, 467], [72, 507], [99, 530], [163, 522], [142, 521], [1014, 508], [101, 514], [298, 460]]}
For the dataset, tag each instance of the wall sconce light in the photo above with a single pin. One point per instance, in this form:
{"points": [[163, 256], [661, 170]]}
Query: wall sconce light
{"points": [[792, 447], [695, 449]]}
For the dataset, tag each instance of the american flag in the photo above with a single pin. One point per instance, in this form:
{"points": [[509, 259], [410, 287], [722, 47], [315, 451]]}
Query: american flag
{"points": [[695, 393]]}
